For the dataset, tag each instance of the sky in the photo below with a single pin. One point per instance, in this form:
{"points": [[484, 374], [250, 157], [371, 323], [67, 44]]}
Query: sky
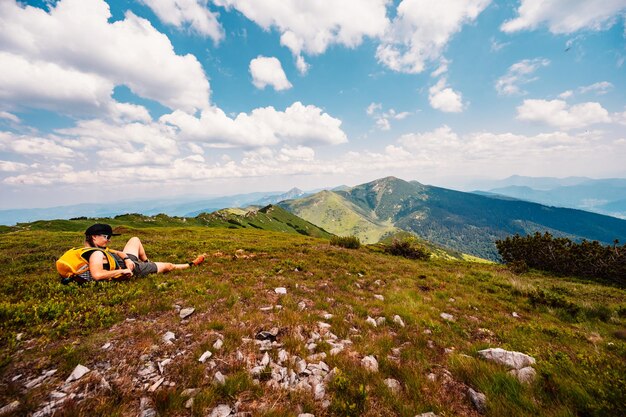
{"points": [[102, 101]]}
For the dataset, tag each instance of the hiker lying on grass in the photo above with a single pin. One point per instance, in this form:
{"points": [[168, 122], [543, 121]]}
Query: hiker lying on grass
{"points": [[132, 260]]}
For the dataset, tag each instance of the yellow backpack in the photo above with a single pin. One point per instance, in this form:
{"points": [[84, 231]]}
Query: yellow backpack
{"points": [[73, 263]]}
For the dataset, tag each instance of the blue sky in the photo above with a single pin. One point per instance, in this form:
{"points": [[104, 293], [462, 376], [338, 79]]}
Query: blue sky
{"points": [[110, 100]]}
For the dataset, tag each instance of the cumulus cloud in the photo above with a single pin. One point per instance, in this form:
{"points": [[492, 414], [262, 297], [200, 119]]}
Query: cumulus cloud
{"points": [[565, 16], [11, 166], [268, 71], [557, 113], [266, 126], [192, 13], [87, 57], [421, 30], [383, 118], [445, 99], [310, 27], [518, 74], [32, 145]]}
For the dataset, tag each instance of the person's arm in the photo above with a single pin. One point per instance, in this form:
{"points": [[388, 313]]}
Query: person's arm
{"points": [[127, 261], [99, 273]]}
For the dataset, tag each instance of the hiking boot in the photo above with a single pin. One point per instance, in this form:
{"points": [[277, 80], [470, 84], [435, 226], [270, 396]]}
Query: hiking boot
{"points": [[198, 260]]}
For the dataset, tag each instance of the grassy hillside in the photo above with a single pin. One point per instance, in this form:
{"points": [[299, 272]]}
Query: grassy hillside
{"points": [[339, 216], [575, 331]]}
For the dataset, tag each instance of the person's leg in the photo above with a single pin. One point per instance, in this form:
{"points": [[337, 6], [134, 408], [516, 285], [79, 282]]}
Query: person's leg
{"points": [[168, 266], [135, 247]]}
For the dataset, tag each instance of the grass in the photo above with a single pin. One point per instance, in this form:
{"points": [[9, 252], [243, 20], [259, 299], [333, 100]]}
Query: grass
{"points": [[574, 329]]}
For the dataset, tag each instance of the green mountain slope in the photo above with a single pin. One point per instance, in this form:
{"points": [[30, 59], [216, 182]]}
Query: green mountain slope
{"points": [[465, 222]]}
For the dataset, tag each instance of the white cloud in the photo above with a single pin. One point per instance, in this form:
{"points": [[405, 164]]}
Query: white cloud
{"points": [[9, 116], [11, 166], [298, 124], [96, 54], [268, 71], [194, 13], [444, 98], [558, 114], [599, 88], [422, 29], [566, 94], [497, 46], [299, 153], [34, 146], [565, 16], [382, 119], [620, 118], [442, 69], [518, 74], [310, 27]]}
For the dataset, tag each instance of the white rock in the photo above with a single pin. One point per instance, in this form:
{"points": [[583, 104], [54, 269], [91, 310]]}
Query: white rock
{"points": [[106, 346], [336, 350], [280, 290], [301, 305], [186, 312], [266, 309], [398, 320], [323, 325], [18, 337], [371, 321], [265, 360], [380, 321], [221, 410], [514, 314], [370, 363], [478, 399], [327, 316], [156, 385], [77, 373], [319, 392], [393, 385], [168, 337], [218, 344], [189, 403], [163, 364], [428, 414], [206, 355], [515, 360], [447, 317], [301, 366], [306, 415], [525, 375], [219, 378], [379, 297], [283, 356]]}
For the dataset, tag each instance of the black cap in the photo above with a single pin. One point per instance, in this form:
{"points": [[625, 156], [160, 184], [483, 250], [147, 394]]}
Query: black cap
{"points": [[100, 229]]}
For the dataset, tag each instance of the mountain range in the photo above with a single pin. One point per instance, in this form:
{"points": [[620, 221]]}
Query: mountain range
{"points": [[604, 196], [466, 222]]}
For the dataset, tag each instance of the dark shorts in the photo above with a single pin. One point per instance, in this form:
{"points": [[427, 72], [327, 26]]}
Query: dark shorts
{"points": [[142, 268]]}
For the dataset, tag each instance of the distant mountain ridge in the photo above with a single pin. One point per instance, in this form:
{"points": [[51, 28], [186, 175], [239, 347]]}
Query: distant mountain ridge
{"points": [[465, 222], [605, 196]]}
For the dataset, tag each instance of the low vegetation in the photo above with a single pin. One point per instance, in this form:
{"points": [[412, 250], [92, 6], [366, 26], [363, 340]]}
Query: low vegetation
{"points": [[575, 329], [407, 248], [562, 256], [349, 242]]}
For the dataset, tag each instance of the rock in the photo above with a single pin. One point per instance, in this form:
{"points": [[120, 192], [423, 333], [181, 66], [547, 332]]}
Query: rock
{"points": [[145, 406], [168, 337], [266, 309], [218, 344], [327, 316], [186, 312], [156, 385], [393, 385], [19, 337], [283, 356], [398, 320], [33, 383], [379, 297], [189, 392], [428, 414], [9, 408], [306, 415], [56, 395], [163, 364], [525, 375], [447, 317], [77, 373], [106, 346], [266, 335], [189, 403], [478, 399], [221, 410], [371, 321], [206, 355], [301, 305], [319, 392], [380, 321], [265, 360], [219, 378], [280, 290], [514, 314], [370, 363], [515, 360]]}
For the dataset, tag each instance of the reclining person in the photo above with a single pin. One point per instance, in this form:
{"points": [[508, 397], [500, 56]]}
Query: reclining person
{"points": [[132, 260]]}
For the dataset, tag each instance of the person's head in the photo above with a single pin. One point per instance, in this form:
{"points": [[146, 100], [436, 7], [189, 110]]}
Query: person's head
{"points": [[99, 234]]}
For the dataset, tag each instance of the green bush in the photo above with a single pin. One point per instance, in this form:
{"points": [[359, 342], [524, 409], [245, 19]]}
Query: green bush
{"points": [[350, 242], [407, 248]]}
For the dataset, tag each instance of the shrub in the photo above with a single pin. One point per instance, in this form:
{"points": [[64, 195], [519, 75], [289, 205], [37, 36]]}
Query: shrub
{"points": [[349, 242], [407, 248]]}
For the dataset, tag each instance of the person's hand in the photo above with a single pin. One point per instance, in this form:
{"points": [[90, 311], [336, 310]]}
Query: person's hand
{"points": [[130, 265]]}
